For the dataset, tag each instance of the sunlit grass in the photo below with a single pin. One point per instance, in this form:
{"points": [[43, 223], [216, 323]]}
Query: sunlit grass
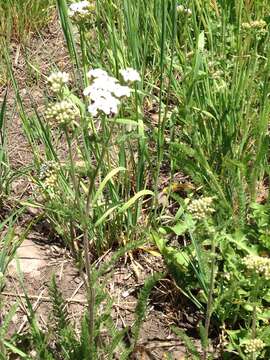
{"points": [[21, 19], [200, 108]]}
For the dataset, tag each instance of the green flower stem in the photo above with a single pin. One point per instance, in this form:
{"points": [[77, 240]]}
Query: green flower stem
{"points": [[210, 292], [254, 312], [90, 282]]}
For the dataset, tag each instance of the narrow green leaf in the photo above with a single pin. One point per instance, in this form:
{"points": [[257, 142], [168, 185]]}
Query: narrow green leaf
{"points": [[105, 181], [136, 197]]}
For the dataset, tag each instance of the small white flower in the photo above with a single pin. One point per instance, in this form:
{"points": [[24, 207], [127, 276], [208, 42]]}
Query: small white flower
{"points": [[104, 92], [106, 83], [254, 346], [80, 8], [108, 105], [182, 10], [130, 74], [201, 208], [57, 80], [96, 73], [258, 264], [63, 112], [87, 91], [120, 91], [81, 11]]}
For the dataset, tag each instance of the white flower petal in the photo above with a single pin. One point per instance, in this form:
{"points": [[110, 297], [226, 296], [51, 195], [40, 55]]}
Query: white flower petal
{"points": [[130, 74], [96, 73]]}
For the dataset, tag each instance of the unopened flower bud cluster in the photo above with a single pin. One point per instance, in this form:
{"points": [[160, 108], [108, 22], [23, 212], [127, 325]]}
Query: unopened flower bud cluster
{"points": [[105, 91], [257, 26], [254, 345], [58, 80], [81, 11], [183, 10], [258, 264], [49, 173], [201, 208], [62, 113]]}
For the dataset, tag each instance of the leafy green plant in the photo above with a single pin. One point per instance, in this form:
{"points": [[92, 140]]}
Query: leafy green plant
{"points": [[230, 272], [261, 217]]}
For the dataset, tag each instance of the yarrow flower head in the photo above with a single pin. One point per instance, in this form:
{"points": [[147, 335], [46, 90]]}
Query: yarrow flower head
{"points": [[62, 113], [57, 80], [97, 73], [104, 92], [182, 10], [201, 208], [258, 265], [130, 75], [48, 174], [254, 346], [257, 26], [81, 10]]}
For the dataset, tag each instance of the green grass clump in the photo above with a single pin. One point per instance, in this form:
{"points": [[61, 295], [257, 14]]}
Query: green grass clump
{"points": [[21, 18]]}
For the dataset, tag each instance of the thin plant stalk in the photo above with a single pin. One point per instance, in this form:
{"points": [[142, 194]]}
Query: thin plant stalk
{"points": [[162, 65], [210, 295], [90, 284]]}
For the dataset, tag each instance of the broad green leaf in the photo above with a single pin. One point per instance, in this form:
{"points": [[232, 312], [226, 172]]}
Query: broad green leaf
{"points": [[182, 226]]}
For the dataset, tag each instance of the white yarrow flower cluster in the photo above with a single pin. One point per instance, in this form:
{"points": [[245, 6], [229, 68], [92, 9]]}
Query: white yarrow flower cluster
{"points": [[258, 264], [63, 112], [254, 346], [104, 92], [57, 80], [201, 208], [182, 10], [130, 75], [80, 10]]}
